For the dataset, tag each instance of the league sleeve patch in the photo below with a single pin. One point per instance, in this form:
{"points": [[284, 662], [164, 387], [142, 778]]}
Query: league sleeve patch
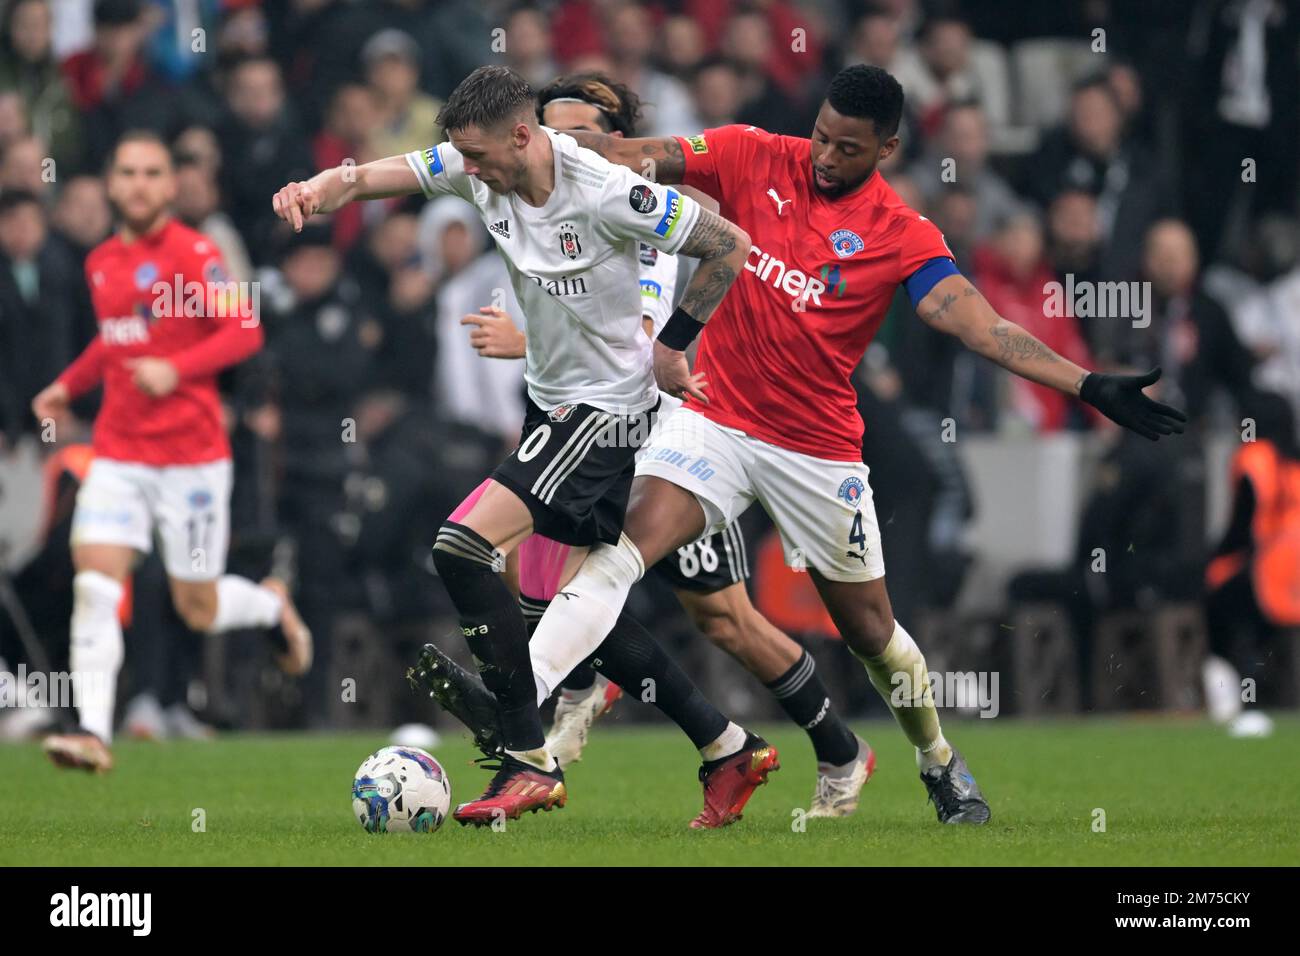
{"points": [[642, 198], [647, 254], [698, 144], [213, 271], [432, 160], [672, 214]]}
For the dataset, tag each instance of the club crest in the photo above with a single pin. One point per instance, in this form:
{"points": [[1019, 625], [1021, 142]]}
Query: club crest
{"points": [[569, 244], [846, 242], [851, 490]]}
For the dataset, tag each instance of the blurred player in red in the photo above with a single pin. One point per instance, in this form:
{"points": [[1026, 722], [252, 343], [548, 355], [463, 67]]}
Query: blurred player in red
{"points": [[169, 321], [773, 415]]}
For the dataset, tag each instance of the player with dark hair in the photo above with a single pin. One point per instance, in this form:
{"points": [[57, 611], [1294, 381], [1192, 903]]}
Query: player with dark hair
{"points": [[778, 423], [162, 459], [707, 576], [568, 102], [568, 225]]}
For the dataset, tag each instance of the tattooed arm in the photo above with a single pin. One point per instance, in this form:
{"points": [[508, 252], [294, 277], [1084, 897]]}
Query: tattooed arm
{"points": [[658, 159], [954, 306], [722, 247]]}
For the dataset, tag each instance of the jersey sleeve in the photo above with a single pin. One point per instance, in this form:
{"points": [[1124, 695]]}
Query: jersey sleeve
{"points": [[658, 274], [86, 371], [713, 157], [205, 266], [441, 171], [920, 242], [634, 208], [232, 315]]}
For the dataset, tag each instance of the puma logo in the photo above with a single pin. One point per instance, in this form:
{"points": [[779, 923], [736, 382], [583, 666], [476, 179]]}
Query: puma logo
{"points": [[861, 557], [780, 203]]}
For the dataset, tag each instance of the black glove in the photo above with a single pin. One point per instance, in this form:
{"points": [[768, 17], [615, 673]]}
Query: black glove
{"points": [[1120, 398]]}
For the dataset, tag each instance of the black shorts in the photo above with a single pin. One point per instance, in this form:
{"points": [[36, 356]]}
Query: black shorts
{"points": [[707, 565], [574, 468]]}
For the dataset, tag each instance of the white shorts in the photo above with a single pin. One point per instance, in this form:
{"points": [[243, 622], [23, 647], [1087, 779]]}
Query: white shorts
{"points": [[188, 506], [822, 509]]}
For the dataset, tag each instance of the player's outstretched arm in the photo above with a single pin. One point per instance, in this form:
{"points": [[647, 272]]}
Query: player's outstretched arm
{"points": [[956, 307], [333, 188], [656, 158], [722, 247]]}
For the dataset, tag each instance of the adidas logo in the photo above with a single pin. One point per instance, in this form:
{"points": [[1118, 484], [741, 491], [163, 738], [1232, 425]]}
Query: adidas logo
{"points": [[501, 228]]}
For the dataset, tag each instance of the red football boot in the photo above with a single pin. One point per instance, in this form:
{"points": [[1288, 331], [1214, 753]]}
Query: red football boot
{"points": [[517, 788], [731, 781]]}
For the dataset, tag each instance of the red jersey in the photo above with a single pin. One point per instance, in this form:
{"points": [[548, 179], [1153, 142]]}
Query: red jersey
{"points": [[779, 351], [144, 310]]}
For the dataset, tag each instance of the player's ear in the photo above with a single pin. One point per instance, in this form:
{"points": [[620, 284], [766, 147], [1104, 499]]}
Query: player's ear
{"points": [[887, 148], [521, 134]]}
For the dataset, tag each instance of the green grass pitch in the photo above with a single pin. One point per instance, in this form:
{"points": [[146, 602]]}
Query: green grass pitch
{"points": [[1174, 791]]}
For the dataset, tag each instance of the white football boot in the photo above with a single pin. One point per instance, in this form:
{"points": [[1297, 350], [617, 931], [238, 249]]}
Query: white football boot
{"points": [[574, 717], [838, 788]]}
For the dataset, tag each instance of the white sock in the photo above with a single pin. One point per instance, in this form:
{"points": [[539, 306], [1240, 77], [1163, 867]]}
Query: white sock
{"points": [[582, 693], [583, 613], [727, 743], [901, 678], [243, 604], [97, 650], [938, 754], [541, 759]]}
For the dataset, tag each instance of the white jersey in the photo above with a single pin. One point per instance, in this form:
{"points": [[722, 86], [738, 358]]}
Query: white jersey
{"points": [[658, 283], [574, 267]]}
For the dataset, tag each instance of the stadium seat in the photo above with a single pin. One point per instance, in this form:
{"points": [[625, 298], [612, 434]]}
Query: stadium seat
{"points": [[1044, 662], [1285, 683], [1181, 643], [360, 653], [1149, 660]]}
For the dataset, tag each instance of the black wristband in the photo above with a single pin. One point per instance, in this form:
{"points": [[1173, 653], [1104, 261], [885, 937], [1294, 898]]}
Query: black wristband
{"points": [[1088, 387], [680, 330]]}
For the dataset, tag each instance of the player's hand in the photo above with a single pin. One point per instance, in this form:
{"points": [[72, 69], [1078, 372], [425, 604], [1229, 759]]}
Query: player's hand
{"points": [[494, 335], [155, 377], [51, 402], [1120, 398], [673, 374], [295, 203]]}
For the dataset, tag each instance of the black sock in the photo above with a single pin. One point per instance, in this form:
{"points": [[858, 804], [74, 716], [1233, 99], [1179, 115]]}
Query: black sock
{"points": [[629, 657], [802, 695], [494, 629], [532, 610], [582, 676]]}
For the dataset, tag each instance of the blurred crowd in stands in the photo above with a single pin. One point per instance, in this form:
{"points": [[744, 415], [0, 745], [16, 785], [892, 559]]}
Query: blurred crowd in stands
{"points": [[1079, 142]]}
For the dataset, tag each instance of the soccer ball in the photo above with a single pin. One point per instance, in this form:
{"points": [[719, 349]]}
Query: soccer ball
{"points": [[401, 790]]}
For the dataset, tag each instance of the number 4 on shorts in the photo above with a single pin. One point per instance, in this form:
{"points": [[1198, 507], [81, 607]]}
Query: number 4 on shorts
{"points": [[857, 537]]}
